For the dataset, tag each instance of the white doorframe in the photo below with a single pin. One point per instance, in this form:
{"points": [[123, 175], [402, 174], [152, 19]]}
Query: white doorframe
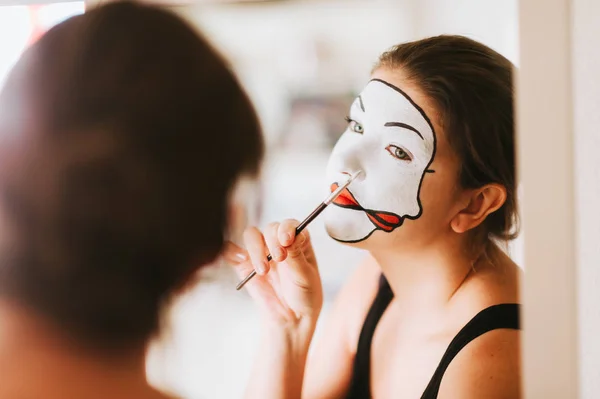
{"points": [[546, 169]]}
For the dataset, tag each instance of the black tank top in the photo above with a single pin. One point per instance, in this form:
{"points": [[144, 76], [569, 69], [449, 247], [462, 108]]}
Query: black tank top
{"points": [[492, 318]]}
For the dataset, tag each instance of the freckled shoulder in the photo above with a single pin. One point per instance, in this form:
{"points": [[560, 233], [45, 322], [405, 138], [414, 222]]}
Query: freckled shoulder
{"points": [[488, 367]]}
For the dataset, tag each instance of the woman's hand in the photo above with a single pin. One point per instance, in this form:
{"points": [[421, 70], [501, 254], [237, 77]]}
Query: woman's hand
{"points": [[289, 293], [288, 289]]}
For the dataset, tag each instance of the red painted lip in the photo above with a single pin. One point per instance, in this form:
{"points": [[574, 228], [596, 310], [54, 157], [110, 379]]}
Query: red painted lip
{"points": [[345, 199], [385, 221]]}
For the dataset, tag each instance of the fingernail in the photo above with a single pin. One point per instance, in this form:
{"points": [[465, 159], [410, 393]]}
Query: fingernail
{"points": [[290, 237], [261, 268], [241, 256], [277, 253]]}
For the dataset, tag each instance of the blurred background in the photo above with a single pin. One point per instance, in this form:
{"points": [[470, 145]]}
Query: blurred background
{"points": [[302, 62]]}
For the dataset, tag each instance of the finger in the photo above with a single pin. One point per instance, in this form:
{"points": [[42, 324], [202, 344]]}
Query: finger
{"points": [[257, 249], [238, 258], [299, 267], [233, 253], [287, 232], [290, 239], [277, 251], [301, 242]]}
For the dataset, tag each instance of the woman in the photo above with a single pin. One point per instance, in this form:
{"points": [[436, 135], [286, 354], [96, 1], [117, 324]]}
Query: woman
{"points": [[432, 311], [114, 129]]}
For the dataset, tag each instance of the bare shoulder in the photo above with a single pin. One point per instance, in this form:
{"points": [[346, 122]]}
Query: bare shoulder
{"points": [[488, 367]]}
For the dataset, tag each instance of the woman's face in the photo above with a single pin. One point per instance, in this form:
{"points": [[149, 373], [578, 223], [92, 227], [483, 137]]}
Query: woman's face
{"points": [[408, 189]]}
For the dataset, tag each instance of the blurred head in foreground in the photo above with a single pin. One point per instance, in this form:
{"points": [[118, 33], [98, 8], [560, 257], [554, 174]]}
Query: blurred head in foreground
{"points": [[122, 133]]}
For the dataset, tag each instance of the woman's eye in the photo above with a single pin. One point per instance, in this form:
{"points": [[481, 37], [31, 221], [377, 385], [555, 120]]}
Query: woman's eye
{"points": [[355, 126], [398, 153]]}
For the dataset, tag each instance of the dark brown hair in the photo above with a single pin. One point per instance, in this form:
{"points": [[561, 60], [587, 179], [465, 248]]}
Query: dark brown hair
{"points": [[122, 133], [472, 89]]}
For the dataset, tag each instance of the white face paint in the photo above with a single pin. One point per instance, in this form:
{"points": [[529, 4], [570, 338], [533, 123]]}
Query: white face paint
{"points": [[392, 141]]}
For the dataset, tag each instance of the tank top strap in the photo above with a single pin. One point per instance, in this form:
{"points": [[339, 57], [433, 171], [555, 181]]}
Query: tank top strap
{"points": [[503, 316], [360, 386]]}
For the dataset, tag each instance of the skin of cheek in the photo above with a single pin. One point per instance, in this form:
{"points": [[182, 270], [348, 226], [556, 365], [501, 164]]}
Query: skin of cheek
{"points": [[439, 198]]}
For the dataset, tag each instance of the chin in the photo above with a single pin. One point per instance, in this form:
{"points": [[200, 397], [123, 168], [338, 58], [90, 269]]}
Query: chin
{"points": [[374, 240], [347, 225], [350, 240]]}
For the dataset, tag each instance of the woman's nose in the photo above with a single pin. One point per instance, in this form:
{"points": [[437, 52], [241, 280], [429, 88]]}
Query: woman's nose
{"points": [[350, 164], [358, 173], [346, 162]]}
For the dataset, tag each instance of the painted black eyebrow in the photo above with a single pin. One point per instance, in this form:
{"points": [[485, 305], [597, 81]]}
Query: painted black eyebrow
{"points": [[405, 126], [410, 100], [362, 106]]}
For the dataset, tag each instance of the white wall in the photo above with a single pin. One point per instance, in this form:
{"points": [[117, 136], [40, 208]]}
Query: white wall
{"points": [[286, 47], [492, 22], [586, 96]]}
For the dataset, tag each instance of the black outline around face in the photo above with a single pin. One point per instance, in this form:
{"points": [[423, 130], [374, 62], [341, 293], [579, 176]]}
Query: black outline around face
{"points": [[426, 171]]}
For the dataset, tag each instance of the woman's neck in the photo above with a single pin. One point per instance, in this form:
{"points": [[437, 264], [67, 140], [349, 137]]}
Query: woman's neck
{"points": [[36, 361], [427, 280]]}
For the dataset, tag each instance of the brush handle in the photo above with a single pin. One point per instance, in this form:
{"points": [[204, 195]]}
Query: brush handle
{"points": [[242, 283], [310, 217], [299, 229]]}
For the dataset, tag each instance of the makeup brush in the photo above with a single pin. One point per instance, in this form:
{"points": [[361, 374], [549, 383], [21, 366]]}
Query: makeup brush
{"points": [[308, 219]]}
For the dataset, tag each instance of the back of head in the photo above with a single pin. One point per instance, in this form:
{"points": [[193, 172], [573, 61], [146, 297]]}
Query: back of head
{"points": [[122, 133]]}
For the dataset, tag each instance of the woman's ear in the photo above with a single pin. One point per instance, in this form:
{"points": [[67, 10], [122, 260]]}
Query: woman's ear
{"points": [[481, 203]]}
